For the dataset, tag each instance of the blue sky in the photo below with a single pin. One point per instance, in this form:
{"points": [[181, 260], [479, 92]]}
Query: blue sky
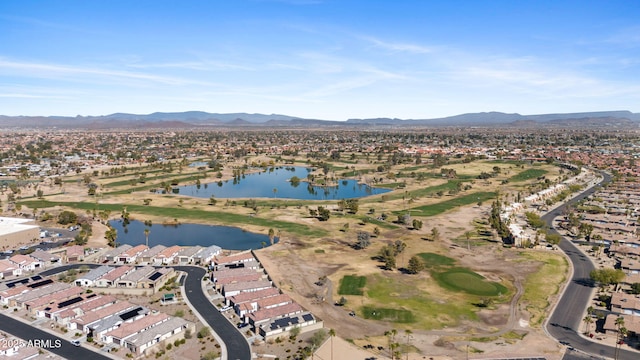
{"points": [[333, 59]]}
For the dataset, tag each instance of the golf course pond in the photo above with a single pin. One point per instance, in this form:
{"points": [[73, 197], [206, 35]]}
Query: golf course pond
{"points": [[227, 237], [285, 182]]}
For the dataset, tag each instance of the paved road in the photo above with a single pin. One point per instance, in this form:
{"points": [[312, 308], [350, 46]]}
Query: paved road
{"points": [[50, 342], [237, 346], [566, 320]]}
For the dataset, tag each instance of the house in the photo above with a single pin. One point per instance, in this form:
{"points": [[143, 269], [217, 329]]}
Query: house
{"points": [[255, 319], [8, 294], [112, 255], [630, 266], [627, 304], [66, 294], [45, 258], [164, 332], [46, 288], [64, 315], [251, 296], [263, 303], [187, 255], [109, 279], [207, 254], [102, 326], [225, 273], [631, 323], [26, 263], [89, 278], [250, 286], [74, 253], [131, 255], [8, 269], [255, 276], [131, 328], [83, 321], [167, 256], [156, 279], [147, 257], [280, 326], [229, 261]]}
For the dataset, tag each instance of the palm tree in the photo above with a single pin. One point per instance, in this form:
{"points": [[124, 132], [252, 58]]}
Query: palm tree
{"points": [[392, 346], [146, 235], [275, 191], [408, 333], [588, 320], [272, 233], [332, 333], [621, 333]]}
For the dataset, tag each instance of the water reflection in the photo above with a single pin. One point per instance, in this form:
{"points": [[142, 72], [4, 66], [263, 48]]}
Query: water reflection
{"points": [[226, 237], [281, 182]]}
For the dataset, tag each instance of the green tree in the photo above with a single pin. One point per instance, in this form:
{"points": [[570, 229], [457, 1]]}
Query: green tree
{"points": [[376, 231], [67, 217], [588, 320], [553, 239], [272, 234], [435, 234], [607, 276], [417, 224], [323, 213], [416, 265]]}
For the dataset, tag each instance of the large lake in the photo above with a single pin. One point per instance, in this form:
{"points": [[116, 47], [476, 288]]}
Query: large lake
{"points": [[226, 237], [263, 183]]}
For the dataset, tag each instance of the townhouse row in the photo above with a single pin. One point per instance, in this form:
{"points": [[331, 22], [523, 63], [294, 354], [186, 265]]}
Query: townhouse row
{"points": [[101, 317], [161, 255], [249, 291]]}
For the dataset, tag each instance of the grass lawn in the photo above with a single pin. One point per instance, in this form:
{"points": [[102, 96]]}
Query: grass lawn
{"points": [[528, 175], [400, 316], [432, 260], [352, 285], [543, 283], [398, 299], [439, 208], [461, 279]]}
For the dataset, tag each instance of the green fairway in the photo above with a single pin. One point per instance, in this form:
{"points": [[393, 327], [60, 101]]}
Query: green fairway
{"points": [[352, 285], [401, 300], [185, 215], [439, 208], [461, 279], [432, 260], [527, 175], [394, 315]]}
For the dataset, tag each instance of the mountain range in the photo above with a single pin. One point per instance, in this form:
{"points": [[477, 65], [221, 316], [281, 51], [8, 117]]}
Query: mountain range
{"points": [[199, 119]]}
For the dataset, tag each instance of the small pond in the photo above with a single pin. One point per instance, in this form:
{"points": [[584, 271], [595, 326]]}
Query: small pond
{"points": [[275, 183], [227, 237]]}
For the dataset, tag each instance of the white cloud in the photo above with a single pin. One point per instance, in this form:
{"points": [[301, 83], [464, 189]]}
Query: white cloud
{"points": [[399, 46], [43, 70]]}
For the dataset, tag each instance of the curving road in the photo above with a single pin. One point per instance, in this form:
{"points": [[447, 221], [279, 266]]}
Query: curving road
{"points": [[237, 346], [565, 321], [233, 340]]}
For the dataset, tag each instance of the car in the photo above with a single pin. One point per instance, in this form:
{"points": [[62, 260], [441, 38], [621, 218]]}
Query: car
{"points": [[242, 325], [352, 313], [226, 308], [75, 342]]}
